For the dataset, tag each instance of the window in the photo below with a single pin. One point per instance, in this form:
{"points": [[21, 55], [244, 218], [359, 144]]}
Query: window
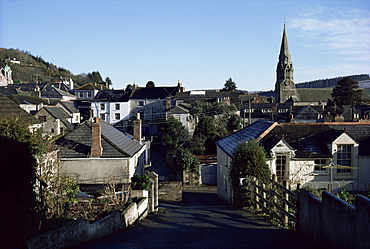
{"points": [[320, 164], [266, 110], [344, 158], [42, 118], [81, 94], [102, 107], [283, 110], [118, 116], [280, 167], [102, 116], [141, 103], [52, 130], [117, 106], [89, 94]]}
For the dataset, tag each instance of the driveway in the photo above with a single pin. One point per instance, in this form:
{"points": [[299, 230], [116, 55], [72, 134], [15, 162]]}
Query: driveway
{"points": [[202, 221]]}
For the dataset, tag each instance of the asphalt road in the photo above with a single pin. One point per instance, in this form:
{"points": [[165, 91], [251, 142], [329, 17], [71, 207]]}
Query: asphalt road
{"points": [[201, 221]]}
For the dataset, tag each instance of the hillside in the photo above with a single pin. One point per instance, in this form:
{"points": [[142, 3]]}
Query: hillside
{"points": [[30, 69]]}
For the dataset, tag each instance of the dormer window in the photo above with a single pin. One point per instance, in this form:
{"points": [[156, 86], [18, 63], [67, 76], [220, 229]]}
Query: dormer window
{"points": [[141, 103]]}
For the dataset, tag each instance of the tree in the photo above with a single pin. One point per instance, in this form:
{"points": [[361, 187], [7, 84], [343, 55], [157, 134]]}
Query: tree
{"points": [[129, 87], [150, 84], [95, 77], [186, 160], [346, 92], [174, 134], [18, 150], [249, 158], [229, 85], [108, 81], [234, 123]]}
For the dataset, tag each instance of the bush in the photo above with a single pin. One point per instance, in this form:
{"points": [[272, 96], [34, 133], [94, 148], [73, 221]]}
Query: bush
{"points": [[139, 182]]}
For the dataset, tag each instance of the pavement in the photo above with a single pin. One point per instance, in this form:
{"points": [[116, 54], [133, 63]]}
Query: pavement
{"points": [[202, 220]]}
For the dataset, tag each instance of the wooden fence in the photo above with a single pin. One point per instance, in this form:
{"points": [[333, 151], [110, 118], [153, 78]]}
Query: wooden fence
{"points": [[274, 199]]}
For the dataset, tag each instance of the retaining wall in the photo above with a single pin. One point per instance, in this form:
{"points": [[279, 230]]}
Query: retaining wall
{"points": [[82, 230], [333, 222]]}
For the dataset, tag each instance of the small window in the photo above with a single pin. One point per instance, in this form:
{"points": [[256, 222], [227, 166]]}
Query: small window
{"points": [[118, 116], [117, 106], [283, 110], [42, 119], [102, 107], [320, 164], [102, 116], [52, 130], [89, 94], [81, 94], [266, 110], [141, 103]]}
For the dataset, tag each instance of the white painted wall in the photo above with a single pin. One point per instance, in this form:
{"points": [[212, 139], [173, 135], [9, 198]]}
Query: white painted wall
{"points": [[224, 190]]}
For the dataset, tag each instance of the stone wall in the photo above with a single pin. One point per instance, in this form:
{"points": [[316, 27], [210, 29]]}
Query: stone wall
{"points": [[170, 191], [190, 178], [333, 222]]}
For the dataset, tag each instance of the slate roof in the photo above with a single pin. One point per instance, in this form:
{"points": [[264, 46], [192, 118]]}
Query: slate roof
{"points": [[310, 140], [25, 99], [154, 92], [92, 86], [112, 96], [313, 94], [59, 113], [116, 144], [178, 110], [69, 105], [254, 131], [8, 107], [54, 92]]}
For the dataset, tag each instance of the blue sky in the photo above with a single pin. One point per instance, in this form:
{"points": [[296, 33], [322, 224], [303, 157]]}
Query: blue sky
{"points": [[202, 43]]}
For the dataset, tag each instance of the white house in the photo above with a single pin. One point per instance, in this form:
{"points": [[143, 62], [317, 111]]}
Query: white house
{"points": [[96, 151], [111, 105], [319, 155], [182, 114]]}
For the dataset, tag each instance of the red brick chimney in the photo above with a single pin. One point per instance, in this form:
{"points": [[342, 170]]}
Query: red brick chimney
{"points": [[96, 148], [137, 128]]}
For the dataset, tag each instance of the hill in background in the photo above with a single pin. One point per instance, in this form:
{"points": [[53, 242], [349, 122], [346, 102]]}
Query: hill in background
{"points": [[27, 68]]}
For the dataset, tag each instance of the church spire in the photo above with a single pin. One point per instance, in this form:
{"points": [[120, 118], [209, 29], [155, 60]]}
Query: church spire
{"points": [[284, 71], [284, 49]]}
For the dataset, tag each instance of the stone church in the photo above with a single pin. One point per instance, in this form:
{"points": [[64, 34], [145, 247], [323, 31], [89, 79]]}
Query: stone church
{"points": [[285, 89]]}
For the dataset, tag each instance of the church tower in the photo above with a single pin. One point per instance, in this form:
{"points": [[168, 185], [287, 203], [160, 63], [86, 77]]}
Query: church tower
{"points": [[284, 86]]}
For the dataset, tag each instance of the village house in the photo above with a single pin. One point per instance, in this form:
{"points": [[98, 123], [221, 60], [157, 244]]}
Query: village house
{"points": [[320, 155], [96, 152], [55, 120], [30, 104], [181, 113]]}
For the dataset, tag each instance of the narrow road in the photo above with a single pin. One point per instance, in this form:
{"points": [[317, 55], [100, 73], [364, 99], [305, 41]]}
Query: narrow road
{"points": [[202, 221]]}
